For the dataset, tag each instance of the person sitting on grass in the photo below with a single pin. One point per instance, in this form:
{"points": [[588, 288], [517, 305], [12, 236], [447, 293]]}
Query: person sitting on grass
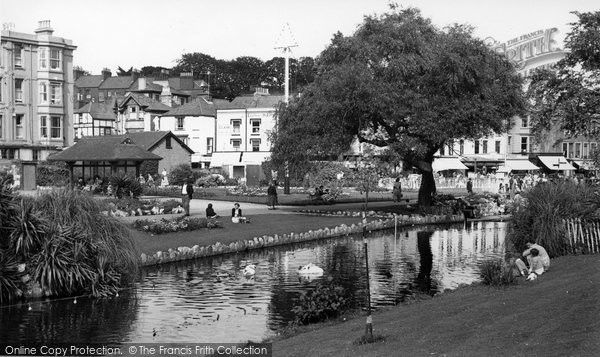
{"points": [[210, 212], [236, 214], [537, 259]]}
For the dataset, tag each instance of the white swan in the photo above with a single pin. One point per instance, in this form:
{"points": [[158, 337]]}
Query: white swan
{"points": [[310, 269], [250, 270]]}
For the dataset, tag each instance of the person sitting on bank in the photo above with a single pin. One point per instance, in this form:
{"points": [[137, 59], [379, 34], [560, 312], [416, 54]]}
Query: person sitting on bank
{"points": [[236, 214], [540, 255], [210, 212]]}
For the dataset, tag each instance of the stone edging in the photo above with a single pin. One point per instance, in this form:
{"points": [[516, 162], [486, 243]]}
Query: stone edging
{"points": [[185, 253]]}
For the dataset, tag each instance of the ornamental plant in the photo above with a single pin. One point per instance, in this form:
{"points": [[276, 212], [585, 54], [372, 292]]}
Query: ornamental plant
{"points": [[178, 224], [327, 300]]}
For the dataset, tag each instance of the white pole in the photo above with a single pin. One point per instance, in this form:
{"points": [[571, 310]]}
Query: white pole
{"points": [[286, 52]]}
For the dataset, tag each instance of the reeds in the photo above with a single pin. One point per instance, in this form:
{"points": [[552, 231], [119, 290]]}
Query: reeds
{"points": [[540, 216]]}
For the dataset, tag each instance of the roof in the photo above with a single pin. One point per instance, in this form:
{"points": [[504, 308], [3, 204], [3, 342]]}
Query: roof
{"points": [[98, 111], [91, 81], [117, 83], [104, 148], [259, 101], [150, 86], [198, 107], [147, 103], [149, 139], [447, 163]]}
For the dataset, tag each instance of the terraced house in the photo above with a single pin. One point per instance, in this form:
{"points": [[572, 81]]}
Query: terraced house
{"points": [[36, 87]]}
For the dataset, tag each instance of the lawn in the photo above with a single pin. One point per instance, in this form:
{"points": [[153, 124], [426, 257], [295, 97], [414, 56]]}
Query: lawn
{"points": [[556, 315]]}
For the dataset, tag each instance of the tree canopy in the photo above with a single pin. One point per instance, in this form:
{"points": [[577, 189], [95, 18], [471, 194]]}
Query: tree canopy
{"points": [[567, 98], [399, 82], [229, 79]]}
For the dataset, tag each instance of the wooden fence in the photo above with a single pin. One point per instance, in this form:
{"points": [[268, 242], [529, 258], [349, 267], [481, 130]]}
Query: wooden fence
{"points": [[584, 236]]}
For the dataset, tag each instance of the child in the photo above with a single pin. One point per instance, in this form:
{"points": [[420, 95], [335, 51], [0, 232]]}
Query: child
{"points": [[536, 265]]}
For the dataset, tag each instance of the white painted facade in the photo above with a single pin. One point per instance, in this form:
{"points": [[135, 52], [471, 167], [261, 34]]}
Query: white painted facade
{"points": [[197, 132]]}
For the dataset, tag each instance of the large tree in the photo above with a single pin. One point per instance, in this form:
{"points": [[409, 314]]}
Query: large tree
{"points": [[399, 82], [567, 98]]}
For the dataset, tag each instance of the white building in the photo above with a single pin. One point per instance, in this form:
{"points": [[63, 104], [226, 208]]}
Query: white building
{"points": [[194, 124], [242, 143]]}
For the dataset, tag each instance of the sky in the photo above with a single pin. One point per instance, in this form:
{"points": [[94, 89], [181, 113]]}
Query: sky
{"points": [[137, 33]]}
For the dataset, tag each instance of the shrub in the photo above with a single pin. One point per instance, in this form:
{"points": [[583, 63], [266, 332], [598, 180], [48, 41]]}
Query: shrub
{"points": [[539, 215], [61, 242], [52, 174], [180, 174], [125, 186], [326, 301], [496, 272]]}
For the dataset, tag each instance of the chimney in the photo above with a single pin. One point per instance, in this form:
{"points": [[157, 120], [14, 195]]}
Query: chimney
{"points": [[135, 74], [142, 83], [78, 72], [186, 80], [44, 28], [165, 95], [106, 73]]}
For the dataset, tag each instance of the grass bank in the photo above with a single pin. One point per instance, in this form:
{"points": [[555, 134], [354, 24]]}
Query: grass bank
{"points": [[556, 315]]}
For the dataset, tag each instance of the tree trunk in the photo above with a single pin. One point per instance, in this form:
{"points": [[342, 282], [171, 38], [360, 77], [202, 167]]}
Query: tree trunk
{"points": [[427, 189]]}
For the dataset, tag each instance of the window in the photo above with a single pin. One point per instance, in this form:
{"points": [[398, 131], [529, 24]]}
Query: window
{"points": [[571, 151], [0, 86], [442, 150], [36, 154], [43, 55], [43, 92], [18, 56], [9, 154], [476, 151], [524, 144], [209, 145], [461, 147], [55, 93], [179, 123], [55, 127], [255, 126], [509, 143], [100, 97], [565, 149], [1, 125], [593, 147], [586, 150], [485, 146], [55, 59], [19, 90], [43, 126], [107, 131], [19, 126], [168, 142], [577, 150], [525, 122], [132, 109], [255, 144], [236, 123], [497, 147], [236, 143]]}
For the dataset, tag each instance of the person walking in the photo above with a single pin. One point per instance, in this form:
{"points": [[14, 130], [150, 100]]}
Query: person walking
{"points": [[470, 186], [187, 191], [397, 190], [272, 195]]}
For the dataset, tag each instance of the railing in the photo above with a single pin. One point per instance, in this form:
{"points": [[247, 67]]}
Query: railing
{"points": [[584, 236]]}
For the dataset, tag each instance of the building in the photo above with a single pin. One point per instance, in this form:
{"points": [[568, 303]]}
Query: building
{"points": [[36, 87], [242, 134], [95, 119], [194, 123], [164, 144], [138, 112]]}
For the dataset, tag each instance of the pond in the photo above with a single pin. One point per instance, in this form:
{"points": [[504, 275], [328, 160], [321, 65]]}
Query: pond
{"points": [[210, 300]]}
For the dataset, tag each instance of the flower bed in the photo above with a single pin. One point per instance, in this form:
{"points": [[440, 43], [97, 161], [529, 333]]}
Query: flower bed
{"points": [[175, 225], [126, 207], [175, 191]]}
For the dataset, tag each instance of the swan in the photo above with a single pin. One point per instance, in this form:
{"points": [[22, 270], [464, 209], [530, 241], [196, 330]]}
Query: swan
{"points": [[310, 269], [250, 270]]}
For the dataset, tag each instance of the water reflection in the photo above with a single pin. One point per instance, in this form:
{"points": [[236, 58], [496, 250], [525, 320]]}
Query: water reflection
{"points": [[210, 299]]}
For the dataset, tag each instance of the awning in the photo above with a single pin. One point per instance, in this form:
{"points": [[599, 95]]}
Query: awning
{"points": [[556, 163], [238, 158], [520, 165], [447, 163], [584, 164]]}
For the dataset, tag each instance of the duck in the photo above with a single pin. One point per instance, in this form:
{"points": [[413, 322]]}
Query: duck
{"points": [[250, 270], [310, 269]]}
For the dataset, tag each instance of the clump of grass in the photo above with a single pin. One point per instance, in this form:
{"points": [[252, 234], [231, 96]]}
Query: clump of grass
{"points": [[366, 339], [496, 272], [539, 217]]}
